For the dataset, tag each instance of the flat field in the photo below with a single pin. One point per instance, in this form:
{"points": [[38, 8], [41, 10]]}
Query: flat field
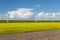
{"points": [[8, 28]]}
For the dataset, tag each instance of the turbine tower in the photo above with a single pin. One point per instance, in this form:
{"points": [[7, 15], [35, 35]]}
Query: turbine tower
{"points": [[7, 18]]}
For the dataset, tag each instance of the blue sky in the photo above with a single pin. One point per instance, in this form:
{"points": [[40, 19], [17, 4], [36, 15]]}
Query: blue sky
{"points": [[46, 5], [37, 5]]}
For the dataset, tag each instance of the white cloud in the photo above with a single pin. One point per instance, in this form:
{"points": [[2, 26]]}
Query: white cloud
{"points": [[3, 17], [27, 13], [48, 16], [21, 13], [37, 5], [12, 14]]}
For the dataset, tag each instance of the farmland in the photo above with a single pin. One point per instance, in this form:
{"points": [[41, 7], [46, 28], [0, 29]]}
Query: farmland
{"points": [[27, 26]]}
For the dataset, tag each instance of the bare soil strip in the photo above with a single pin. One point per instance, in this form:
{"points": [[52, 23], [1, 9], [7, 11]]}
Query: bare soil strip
{"points": [[43, 35]]}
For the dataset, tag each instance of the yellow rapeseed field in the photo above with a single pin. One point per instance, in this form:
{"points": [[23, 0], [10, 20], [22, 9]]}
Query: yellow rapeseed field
{"points": [[28, 27]]}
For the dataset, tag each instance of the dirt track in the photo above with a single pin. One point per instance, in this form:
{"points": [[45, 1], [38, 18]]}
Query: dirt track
{"points": [[43, 35]]}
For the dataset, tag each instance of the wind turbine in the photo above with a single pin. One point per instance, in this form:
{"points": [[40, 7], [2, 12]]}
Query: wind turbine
{"points": [[7, 18], [35, 19]]}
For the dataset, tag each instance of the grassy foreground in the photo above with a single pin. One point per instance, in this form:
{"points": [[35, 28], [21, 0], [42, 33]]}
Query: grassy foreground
{"points": [[7, 28]]}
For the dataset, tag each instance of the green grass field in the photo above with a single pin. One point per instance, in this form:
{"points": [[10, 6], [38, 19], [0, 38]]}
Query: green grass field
{"points": [[8, 28]]}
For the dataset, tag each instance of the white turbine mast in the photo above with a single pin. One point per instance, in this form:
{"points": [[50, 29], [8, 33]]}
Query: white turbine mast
{"points": [[7, 18], [35, 19]]}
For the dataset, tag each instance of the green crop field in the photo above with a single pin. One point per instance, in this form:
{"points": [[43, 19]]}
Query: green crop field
{"points": [[8, 28]]}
